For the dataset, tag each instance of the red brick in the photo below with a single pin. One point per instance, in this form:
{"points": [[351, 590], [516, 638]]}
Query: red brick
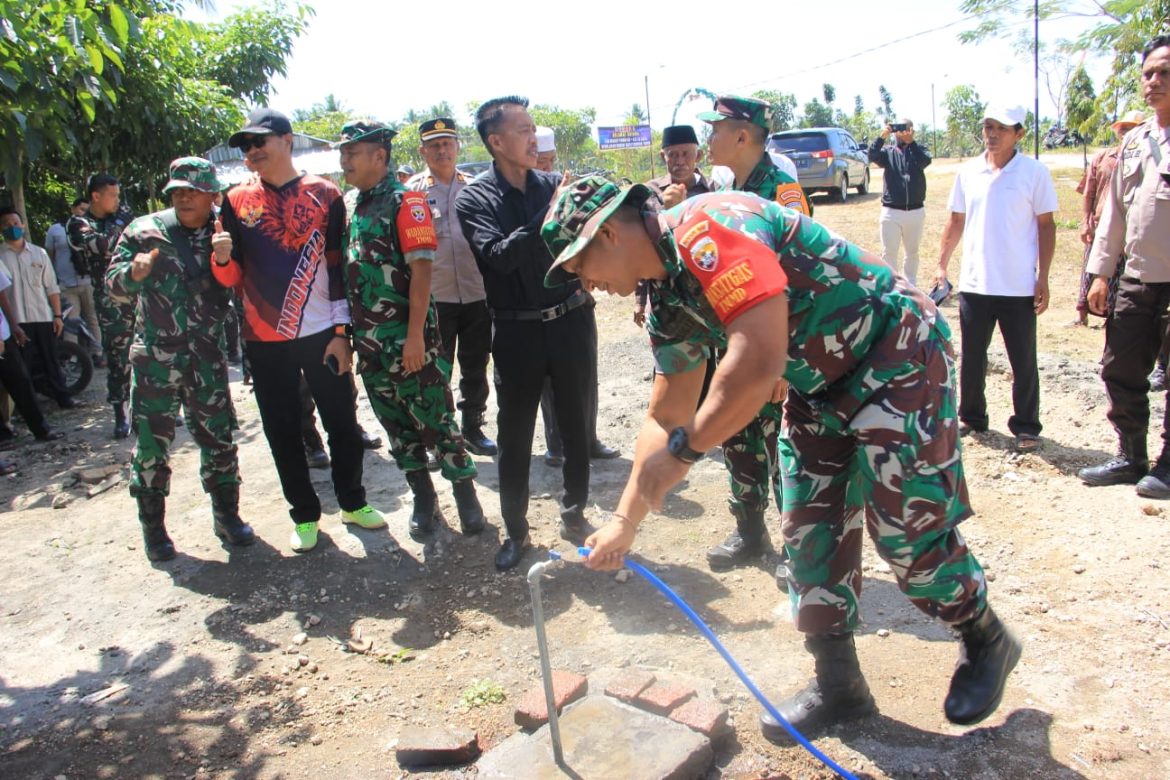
{"points": [[627, 685], [436, 746], [709, 718], [531, 712], [663, 698]]}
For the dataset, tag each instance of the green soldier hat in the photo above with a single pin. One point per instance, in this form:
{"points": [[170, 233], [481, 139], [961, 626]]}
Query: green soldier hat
{"points": [[758, 112], [574, 218], [193, 173], [368, 130], [442, 127]]}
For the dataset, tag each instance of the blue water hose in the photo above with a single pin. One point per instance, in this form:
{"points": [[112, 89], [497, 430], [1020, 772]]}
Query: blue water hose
{"points": [[650, 577]]}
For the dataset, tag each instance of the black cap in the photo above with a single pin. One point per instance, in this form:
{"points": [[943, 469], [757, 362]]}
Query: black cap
{"points": [[262, 121], [679, 134], [442, 127]]}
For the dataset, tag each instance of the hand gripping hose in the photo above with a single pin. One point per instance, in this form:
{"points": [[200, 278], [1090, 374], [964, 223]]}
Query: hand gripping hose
{"points": [[650, 577]]}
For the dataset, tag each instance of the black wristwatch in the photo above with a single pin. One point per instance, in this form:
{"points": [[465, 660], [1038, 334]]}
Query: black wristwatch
{"points": [[679, 446]]}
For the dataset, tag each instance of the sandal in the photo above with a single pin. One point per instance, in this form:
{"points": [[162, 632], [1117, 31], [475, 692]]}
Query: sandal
{"points": [[7, 467], [1027, 442]]}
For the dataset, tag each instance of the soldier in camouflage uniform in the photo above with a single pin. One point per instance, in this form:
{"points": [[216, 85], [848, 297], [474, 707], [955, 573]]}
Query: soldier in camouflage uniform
{"points": [[163, 261], [870, 433], [739, 131], [390, 249], [94, 235]]}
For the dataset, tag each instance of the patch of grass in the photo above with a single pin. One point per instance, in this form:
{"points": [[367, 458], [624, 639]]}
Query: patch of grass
{"points": [[403, 655], [481, 693]]}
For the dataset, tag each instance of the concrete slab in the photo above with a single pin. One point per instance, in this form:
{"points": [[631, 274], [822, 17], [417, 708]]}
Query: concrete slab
{"points": [[603, 739]]}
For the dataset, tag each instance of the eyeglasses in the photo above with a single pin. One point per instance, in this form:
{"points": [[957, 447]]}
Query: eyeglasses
{"points": [[252, 142]]}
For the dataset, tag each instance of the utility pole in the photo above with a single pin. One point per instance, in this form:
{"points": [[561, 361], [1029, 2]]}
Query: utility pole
{"points": [[647, 83], [933, 123], [1036, 73]]}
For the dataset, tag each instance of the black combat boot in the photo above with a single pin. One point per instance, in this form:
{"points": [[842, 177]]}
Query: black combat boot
{"points": [[1156, 484], [152, 509], [422, 519], [470, 512], [1130, 465], [477, 442], [837, 693], [225, 513], [749, 540], [987, 656], [121, 424], [574, 527]]}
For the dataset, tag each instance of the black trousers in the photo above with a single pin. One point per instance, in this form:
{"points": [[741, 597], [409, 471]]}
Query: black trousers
{"points": [[552, 431], [14, 376], [276, 370], [309, 434], [1133, 339], [1016, 317], [466, 330], [40, 357], [525, 352]]}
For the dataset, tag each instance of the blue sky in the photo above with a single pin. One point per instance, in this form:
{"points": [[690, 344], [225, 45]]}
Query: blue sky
{"points": [[382, 58]]}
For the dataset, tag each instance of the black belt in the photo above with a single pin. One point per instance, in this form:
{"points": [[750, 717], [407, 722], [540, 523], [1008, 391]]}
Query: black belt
{"points": [[902, 208], [575, 301]]}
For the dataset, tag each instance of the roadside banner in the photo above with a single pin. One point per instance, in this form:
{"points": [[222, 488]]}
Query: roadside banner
{"points": [[624, 137]]}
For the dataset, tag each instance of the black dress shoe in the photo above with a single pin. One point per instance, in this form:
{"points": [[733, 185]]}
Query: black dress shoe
{"points": [[600, 452], [574, 527], [49, 435], [370, 441], [67, 402], [553, 461], [317, 458], [510, 553]]}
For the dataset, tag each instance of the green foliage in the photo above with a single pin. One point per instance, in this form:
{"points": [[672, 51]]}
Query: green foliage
{"points": [[816, 114], [324, 120], [783, 108], [964, 113], [1080, 104], [481, 693], [1120, 30], [829, 92], [886, 112], [158, 87]]}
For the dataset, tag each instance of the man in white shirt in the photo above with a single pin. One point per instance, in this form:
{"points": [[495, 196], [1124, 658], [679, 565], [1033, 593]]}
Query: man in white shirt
{"points": [[14, 376], [73, 278], [36, 304], [1002, 206]]}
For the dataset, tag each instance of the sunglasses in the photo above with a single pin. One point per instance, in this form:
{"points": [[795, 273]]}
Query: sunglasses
{"points": [[252, 142]]}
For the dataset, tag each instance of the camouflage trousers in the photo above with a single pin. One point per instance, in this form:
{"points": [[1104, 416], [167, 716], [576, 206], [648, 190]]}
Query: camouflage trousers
{"points": [[164, 381], [752, 464], [418, 413], [896, 463], [117, 324]]}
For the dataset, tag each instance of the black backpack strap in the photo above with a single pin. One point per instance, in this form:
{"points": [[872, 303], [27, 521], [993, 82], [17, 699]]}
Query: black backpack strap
{"points": [[182, 244]]}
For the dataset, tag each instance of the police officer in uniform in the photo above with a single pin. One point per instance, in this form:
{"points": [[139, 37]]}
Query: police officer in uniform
{"points": [[456, 283], [1136, 223]]}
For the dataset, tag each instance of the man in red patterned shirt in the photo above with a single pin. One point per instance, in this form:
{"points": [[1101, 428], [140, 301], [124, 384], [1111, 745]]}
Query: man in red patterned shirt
{"points": [[281, 242]]}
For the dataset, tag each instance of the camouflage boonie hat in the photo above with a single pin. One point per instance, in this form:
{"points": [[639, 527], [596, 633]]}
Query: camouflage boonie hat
{"points": [[577, 214], [367, 130], [758, 112], [193, 173]]}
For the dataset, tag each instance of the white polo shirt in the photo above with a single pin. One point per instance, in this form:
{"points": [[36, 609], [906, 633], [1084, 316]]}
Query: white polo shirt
{"points": [[5, 331], [1001, 241]]}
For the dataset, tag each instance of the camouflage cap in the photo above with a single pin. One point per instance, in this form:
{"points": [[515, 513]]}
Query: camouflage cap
{"points": [[193, 173], [575, 216], [758, 112], [365, 130]]}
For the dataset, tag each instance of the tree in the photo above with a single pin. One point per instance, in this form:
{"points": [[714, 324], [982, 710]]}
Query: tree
{"points": [[816, 114], [636, 116], [886, 112], [1120, 30], [783, 108], [58, 61], [829, 92], [964, 113], [324, 120], [1080, 104]]}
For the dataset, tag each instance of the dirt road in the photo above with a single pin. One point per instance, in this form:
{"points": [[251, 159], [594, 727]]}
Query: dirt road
{"points": [[234, 663]]}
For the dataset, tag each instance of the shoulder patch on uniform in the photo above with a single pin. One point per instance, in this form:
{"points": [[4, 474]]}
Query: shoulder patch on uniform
{"points": [[695, 231], [705, 253], [417, 213]]}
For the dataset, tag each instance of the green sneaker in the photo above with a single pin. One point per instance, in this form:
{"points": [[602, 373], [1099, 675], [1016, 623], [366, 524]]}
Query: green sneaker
{"points": [[304, 537], [367, 517]]}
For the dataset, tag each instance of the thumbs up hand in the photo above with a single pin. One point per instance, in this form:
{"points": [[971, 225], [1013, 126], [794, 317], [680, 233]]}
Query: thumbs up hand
{"points": [[143, 264], [221, 244]]}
